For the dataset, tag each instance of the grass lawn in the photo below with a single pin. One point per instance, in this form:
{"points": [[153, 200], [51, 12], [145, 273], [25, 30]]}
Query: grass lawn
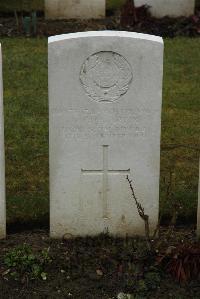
{"points": [[26, 127], [11, 5]]}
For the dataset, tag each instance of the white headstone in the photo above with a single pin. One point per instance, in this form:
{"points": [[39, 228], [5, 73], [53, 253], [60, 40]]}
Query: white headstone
{"points": [[172, 8], [105, 94], [2, 160], [198, 210], [75, 9]]}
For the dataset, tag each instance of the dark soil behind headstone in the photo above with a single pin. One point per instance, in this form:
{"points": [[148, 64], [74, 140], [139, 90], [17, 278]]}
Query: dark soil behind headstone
{"points": [[165, 27]]}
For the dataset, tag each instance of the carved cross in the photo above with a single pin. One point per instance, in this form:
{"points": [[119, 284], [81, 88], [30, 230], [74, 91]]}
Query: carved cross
{"points": [[105, 172]]}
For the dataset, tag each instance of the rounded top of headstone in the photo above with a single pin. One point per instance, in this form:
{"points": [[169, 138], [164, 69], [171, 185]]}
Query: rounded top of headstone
{"points": [[105, 33]]}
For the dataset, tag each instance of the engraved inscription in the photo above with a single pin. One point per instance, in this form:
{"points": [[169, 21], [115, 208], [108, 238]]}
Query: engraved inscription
{"points": [[106, 76], [83, 123]]}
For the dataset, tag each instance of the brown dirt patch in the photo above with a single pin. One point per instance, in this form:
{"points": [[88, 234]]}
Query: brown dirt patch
{"points": [[165, 27], [93, 268]]}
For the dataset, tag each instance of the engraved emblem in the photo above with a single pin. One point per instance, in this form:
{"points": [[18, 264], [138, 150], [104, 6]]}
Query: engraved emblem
{"points": [[106, 76]]}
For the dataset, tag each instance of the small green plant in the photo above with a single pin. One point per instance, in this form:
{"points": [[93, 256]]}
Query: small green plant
{"points": [[152, 280], [22, 262]]}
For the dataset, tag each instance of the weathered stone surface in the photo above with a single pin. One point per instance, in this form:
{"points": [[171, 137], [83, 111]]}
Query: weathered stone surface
{"points": [[172, 8], [2, 161], [105, 94], [74, 9]]}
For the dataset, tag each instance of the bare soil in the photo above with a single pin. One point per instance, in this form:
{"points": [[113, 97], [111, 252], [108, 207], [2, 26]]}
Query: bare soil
{"points": [[165, 27], [94, 268]]}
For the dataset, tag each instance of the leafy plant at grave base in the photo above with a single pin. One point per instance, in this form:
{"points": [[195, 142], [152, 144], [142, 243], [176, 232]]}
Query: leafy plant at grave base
{"points": [[149, 282], [22, 262], [182, 262], [152, 280]]}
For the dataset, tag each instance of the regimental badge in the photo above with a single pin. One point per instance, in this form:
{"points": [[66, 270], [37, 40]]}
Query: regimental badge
{"points": [[106, 76]]}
